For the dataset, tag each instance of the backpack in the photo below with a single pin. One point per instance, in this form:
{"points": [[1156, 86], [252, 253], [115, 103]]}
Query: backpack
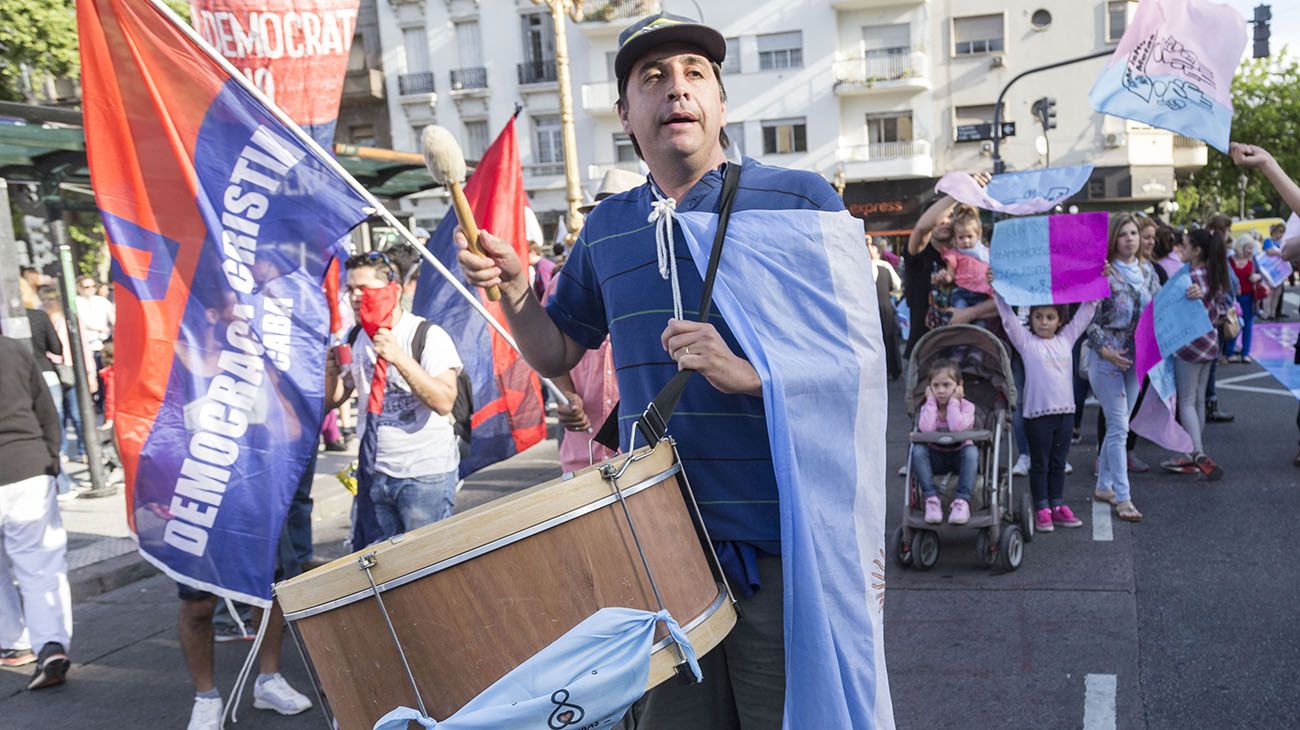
{"points": [[462, 411]]}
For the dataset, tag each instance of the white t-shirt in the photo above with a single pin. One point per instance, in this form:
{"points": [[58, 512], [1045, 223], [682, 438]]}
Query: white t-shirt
{"points": [[94, 314], [414, 441]]}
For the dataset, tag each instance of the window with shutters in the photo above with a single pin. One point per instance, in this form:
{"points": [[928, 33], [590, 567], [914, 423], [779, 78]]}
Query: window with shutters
{"points": [[731, 64], [1116, 20], [476, 138], [624, 151], [783, 136], [893, 127], [416, 46], [548, 145], [977, 34], [780, 50]]}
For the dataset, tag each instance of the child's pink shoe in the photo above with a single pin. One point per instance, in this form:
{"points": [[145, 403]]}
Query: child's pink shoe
{"points": [[1043, 520], [933, 510], [1064, 517], [960, 512]]}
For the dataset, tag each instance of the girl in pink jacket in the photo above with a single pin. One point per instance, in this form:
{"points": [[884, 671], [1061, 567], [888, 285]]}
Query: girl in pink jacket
{"points": [[946, 409]]}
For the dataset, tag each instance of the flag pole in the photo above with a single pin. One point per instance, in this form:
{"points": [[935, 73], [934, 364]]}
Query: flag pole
{"points": [[376, 207]]}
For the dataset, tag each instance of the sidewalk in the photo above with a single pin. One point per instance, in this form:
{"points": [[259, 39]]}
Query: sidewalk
{"points": [[102, 556]]}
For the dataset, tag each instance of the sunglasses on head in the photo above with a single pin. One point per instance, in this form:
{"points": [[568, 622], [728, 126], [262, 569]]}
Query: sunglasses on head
{"points": [[377, 257]]}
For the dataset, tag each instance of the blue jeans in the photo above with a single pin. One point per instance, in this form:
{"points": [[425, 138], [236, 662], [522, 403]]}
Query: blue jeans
{"points": [[72, 414], [928, 461], [297, 523], [401, 505], [1117, 392], [1247, 302]]}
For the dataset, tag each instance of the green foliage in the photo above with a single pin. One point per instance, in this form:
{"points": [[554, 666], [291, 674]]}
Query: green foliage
{"points": [[1266, 99], [40, 35], [89, 239]]}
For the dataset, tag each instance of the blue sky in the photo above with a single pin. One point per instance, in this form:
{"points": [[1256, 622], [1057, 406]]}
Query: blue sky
{"points": [[1285, 25]]}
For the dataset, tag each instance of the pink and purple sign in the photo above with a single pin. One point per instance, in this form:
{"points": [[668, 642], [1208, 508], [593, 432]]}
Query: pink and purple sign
{"points": [[1056, 259]]}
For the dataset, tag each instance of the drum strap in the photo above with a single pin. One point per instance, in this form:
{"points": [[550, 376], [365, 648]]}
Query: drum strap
{"points": [[653, 424]]}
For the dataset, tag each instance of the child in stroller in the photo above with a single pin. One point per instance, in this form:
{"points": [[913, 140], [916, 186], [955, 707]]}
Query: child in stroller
{"points": [[946, 409]]}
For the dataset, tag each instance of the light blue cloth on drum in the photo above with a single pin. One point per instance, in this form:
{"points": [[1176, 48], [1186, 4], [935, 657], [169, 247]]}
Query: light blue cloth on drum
{"points": [[585, 679]]}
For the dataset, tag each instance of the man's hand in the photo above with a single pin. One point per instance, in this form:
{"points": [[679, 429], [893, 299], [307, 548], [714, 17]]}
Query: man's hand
{"points": [[573, 416], [499, 266], [982, 178], [1194, 291], [698, 346], [387, 347]]}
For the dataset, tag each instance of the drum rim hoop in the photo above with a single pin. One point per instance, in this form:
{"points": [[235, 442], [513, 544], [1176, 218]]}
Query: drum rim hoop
{"points": [[488, 547]]}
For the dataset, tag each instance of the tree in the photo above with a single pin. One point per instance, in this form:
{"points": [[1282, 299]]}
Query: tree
{"points": [[1266, 102], [38, 39]]}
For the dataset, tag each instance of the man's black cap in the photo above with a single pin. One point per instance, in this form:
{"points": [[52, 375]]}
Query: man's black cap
{"points": [[661, 29]]}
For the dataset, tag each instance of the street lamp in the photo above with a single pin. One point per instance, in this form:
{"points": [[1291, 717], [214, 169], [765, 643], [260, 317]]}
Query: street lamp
{"points": [[572, 8]]}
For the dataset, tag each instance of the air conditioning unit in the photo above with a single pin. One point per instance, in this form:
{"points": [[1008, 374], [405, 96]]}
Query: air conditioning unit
{"points": [[997, 62], [1115, 139]]}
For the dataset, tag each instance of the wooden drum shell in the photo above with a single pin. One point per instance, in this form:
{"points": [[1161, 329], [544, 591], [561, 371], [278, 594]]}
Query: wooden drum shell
{"points": [[504, 580]]}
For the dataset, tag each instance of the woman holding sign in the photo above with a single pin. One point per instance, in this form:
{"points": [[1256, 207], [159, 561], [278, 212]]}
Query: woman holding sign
{"points": [[1110, 352], [1209, 269]]}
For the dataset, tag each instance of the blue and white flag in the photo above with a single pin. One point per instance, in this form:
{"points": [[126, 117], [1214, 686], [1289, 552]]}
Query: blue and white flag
{"points": [[790, 287], [587, 678]]}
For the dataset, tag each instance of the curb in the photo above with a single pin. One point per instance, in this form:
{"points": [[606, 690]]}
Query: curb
{"points": [[107, 575]]}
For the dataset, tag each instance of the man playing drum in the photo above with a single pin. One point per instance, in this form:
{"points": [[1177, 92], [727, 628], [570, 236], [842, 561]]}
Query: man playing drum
{"points": [[620, 280]]}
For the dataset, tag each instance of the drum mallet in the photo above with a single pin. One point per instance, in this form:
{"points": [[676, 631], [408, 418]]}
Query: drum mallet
{"points": [[446, 163]]}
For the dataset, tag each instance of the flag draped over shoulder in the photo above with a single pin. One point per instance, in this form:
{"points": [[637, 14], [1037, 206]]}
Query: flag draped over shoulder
{"points": [[813, 334], [508, 416], [1173, 69], [221, 223]]}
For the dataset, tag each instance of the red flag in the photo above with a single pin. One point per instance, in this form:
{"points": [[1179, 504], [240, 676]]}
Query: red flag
{"points": [[508, 415], [496, 195]]}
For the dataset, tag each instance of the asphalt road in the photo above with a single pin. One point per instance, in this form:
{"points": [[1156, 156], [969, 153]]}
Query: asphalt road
{"points": [[1184, 621]]}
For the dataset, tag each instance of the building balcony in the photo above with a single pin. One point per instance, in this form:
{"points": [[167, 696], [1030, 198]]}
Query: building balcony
{"points": [[420, 82], [1189, 153], [544, 169], [871, 4], [858, 75], [469, 80], [599, 98], [887, 160], [365, 84], [610, 17], [537, 72], [596, 172]]}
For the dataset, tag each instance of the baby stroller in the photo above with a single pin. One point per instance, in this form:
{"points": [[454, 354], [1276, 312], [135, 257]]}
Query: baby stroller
{"points": [[1004, 519]]}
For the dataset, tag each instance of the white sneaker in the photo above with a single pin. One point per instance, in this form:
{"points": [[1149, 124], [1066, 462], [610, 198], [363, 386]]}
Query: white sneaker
{"points": [[1069, 468], [1021, 469], [206, 714], [902, 470], [276, 694]]}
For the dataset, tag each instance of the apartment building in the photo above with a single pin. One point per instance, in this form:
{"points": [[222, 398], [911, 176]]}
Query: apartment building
{"points": [[882, 96]]}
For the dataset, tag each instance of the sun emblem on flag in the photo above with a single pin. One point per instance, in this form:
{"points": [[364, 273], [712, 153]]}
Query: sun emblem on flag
{"points": [[878, 579]]}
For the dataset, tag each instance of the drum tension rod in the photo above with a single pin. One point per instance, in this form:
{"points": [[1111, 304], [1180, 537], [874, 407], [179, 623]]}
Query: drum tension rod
{"points": [[368, 561], [613, 477]]}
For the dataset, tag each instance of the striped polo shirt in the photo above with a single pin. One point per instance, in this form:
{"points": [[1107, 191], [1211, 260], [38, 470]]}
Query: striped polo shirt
{"points": [[611, 285]]}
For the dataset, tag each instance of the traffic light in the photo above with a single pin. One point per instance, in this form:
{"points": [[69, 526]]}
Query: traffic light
{"points": [[1263, 14], [1044, 110]]}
